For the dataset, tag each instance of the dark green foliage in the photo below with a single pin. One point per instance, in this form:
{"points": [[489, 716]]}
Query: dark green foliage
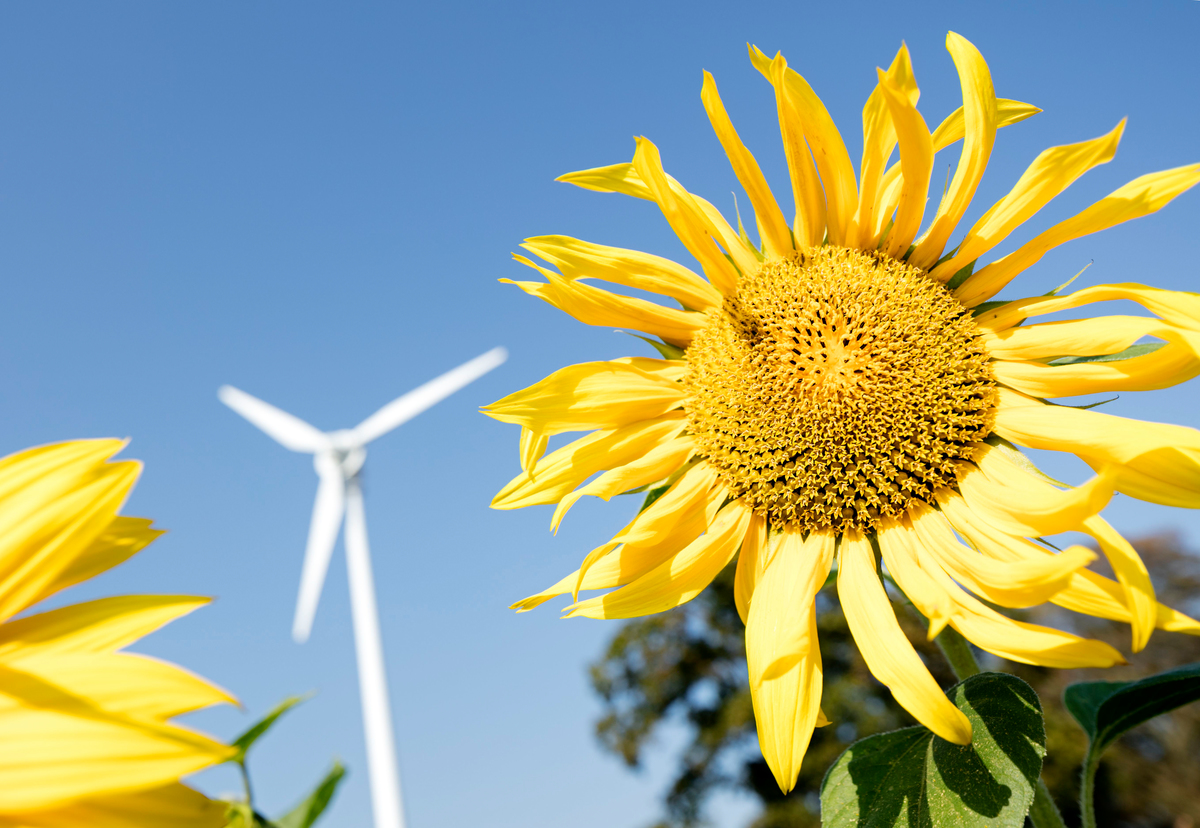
{"points": [[1106, 709], [912, 778]]}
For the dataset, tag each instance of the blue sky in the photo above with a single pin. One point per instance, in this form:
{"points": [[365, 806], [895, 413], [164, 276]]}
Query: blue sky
{"points": [[313, 202]]}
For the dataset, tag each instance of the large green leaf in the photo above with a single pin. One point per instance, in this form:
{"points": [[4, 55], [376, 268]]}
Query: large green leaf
{"points": [[256, 730], [1106, 709], [308, 811], [912, 778]]}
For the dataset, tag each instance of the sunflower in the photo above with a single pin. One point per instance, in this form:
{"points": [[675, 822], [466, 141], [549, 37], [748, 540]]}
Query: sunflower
{"points": [[845, 392], [84, 731]]}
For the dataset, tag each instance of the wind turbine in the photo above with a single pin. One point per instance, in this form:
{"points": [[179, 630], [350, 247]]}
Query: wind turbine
{"points": [[338, 457]]}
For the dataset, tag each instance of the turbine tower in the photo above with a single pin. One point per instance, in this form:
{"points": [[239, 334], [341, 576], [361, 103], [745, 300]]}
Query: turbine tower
{"points": [[338, 457]]}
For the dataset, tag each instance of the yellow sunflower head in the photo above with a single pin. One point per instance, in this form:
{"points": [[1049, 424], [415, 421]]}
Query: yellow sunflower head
{"points": [[85, 729], [844, 392]]}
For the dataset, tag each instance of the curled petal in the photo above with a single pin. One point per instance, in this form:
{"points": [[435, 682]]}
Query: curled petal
{"points": [[888, 653]]}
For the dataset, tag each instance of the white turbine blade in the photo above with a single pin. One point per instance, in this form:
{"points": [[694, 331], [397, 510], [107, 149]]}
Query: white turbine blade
{"points": [[322, 536], [289, 431], [401, 410]]}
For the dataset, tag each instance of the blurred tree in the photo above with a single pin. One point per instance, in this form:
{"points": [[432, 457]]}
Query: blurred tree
{"points": [[688, 666]]}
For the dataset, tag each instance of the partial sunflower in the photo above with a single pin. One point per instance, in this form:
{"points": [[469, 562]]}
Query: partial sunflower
{"points": [[844, 392], [84, 731]]}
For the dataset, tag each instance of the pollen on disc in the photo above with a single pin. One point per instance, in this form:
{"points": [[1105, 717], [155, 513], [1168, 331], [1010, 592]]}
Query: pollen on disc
{"points": [[837, 388]]}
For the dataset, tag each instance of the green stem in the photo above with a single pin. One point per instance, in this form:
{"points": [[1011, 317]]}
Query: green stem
{"points": [[958, 653], [246, 783], [1087, 790], [1043, 813]]}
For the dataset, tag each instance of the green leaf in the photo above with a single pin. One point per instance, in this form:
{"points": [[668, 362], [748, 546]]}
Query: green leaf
{"points": [[310, 810], [243, 742], [915, 779], [984, 307], [1106, 709], [665, 350], [1080, 407], [961, 276], [1129, 353], [653, 495]]}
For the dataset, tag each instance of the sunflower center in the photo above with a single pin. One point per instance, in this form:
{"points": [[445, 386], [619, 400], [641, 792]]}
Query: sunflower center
{"points": [[838, 388]]}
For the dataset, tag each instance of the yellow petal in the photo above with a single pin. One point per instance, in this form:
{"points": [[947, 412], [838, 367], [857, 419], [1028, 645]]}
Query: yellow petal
{"points": [[127, 684], [685, 219], [1073, 337], [1140, 197], [124, 538], [615, 178], [1154, 461], [1022, 504], [1174, 363], [625, 179], [596, 306], [777, 630], [1131, 574], [169, 806], [1050, 173], [888, 653], [590, 395], [772, 226], [919, 574], [656, 533], [656, 464], [557, 474], [100, 626], [55, 502], [677, 580], [583, 260], [979, 116], [916, 163], [1175, 307], [1102, 597], [953, 129], [750, 565], [1085, 591], [808, 227], [1022, 582], [60, 746], [782, 654], [828, 148], [532, 447], [879, 139], [745, 257]]}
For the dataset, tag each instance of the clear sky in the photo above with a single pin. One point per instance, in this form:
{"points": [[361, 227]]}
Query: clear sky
{"points": [[313, 202]]}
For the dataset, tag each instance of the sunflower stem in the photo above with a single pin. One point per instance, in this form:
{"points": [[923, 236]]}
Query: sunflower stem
{"points": [[958, 653], [1043, 813], [1087, 791]]}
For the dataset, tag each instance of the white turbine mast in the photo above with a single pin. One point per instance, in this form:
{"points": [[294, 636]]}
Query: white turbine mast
{"points": [[338, 457]]}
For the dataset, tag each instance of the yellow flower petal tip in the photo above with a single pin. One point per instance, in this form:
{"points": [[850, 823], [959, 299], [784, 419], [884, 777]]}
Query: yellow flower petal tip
{"points": [[831, 387], [90, 724]]}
